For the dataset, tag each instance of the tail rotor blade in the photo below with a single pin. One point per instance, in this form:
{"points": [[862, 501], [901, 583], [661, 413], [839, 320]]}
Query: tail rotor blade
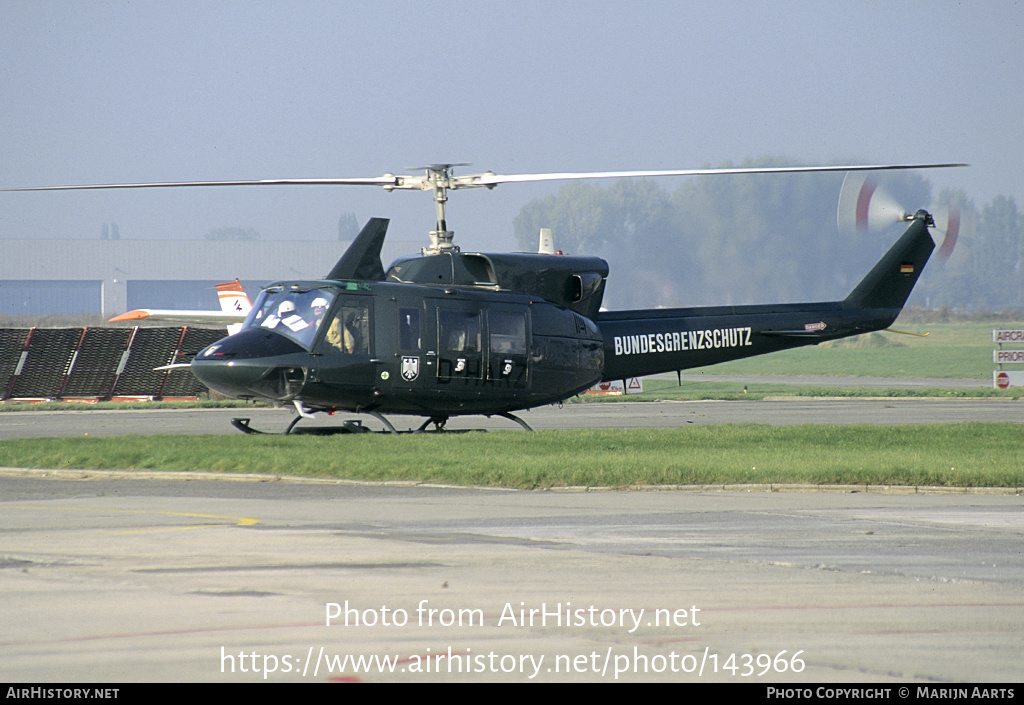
{"points": [[863, 206], [948, 224]]}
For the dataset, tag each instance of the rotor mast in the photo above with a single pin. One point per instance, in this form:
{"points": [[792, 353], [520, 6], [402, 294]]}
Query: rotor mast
{"points": [[438, 178]]}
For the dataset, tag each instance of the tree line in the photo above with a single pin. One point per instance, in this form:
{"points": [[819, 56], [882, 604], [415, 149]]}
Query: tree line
{"points": [[729, 240]]}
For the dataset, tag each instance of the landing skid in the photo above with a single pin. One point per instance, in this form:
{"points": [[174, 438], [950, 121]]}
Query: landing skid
{"points": [[513, 417], [438, 421], [349, 426], [356, 426]]}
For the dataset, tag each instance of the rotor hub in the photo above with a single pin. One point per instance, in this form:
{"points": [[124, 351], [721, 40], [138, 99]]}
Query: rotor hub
{"points": [[440, 242]]}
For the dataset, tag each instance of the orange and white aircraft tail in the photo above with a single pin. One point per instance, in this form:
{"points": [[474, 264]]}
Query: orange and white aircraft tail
{"points": [[234, 304], [235, 301]]}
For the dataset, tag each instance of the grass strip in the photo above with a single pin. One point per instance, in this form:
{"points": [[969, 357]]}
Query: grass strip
{"points": [[945, 455], [662, 389]]}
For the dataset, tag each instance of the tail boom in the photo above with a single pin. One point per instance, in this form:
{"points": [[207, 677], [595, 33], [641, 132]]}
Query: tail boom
{"points": [[638, 343]]}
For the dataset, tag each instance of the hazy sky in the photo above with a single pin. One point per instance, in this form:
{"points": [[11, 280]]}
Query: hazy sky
{"points": [[115, 91]]}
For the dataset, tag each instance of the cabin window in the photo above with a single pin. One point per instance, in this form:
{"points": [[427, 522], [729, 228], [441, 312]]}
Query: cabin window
{"points": [[459, 331], [507, 333], [409, 329]]}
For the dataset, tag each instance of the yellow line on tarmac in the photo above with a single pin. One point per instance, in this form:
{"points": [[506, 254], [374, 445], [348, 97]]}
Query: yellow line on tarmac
{"points": [[236, 521]]}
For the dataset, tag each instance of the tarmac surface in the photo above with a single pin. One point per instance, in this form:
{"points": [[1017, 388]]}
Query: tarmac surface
{"points": [[120, 577], [604, 414]]}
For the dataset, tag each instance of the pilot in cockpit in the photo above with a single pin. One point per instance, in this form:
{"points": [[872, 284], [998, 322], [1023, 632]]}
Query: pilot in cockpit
{"points": [[286, 316]]}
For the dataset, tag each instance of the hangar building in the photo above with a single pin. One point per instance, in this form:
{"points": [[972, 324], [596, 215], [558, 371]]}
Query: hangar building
{"points": [[109, 277]]}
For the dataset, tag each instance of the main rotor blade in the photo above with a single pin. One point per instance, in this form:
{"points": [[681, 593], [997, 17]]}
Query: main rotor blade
{"points": [[441, 179], [494, 179], [386, 180]]}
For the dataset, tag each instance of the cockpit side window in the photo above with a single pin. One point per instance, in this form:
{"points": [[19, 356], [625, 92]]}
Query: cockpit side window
{"points": [[349, 330]]}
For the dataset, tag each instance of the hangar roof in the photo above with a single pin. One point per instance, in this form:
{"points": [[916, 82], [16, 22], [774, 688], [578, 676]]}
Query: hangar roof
{"points": [[254, 260]]}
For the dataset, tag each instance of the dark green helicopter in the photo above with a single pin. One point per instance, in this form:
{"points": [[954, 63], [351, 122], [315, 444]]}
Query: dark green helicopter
{"points": [[452, 333]]}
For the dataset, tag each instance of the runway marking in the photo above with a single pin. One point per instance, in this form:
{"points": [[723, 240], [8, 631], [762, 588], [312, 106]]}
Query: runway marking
{"points": [[236, 521]]}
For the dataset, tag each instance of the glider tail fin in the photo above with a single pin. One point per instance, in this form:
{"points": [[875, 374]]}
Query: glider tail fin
{"points": [[233, 299]]}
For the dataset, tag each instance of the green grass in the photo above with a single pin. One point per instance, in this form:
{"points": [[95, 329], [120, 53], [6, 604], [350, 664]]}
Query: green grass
{"points": [[948, 455], [656, 389], [950, 351]]}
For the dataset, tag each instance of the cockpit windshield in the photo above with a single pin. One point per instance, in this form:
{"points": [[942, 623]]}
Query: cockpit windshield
{"points": [[296, 313]]}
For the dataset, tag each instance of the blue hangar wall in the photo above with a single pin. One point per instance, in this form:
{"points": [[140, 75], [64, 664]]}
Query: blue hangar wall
{"points": [[109, 277]]}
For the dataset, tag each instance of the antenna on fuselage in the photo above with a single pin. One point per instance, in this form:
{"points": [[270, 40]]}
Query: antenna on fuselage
{"points": [[546, 244]]}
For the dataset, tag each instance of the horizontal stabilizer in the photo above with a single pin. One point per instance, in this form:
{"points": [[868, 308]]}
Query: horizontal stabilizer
{"points": [[799, 333]]}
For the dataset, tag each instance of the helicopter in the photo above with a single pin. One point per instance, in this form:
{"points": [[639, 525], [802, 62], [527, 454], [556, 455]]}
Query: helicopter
{"points": [[452, 333]]}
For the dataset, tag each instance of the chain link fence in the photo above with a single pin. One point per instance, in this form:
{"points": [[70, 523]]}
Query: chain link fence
{"points": [[100, 363]]}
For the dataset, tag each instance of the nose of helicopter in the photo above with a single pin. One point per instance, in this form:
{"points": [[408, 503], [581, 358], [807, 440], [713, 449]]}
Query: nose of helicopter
{"points": [[253, 364], [229, 377]]}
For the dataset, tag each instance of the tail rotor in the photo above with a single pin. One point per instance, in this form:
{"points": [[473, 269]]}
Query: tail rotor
{"points": [[865, 207]]}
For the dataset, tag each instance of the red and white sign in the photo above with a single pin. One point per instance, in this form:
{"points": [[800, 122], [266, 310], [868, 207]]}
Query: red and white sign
{"points": [[634, 385], [1007, 379]]}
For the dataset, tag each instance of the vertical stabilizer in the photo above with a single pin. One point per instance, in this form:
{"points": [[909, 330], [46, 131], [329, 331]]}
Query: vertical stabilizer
{"points": [[889, 283], [361, 261]]}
